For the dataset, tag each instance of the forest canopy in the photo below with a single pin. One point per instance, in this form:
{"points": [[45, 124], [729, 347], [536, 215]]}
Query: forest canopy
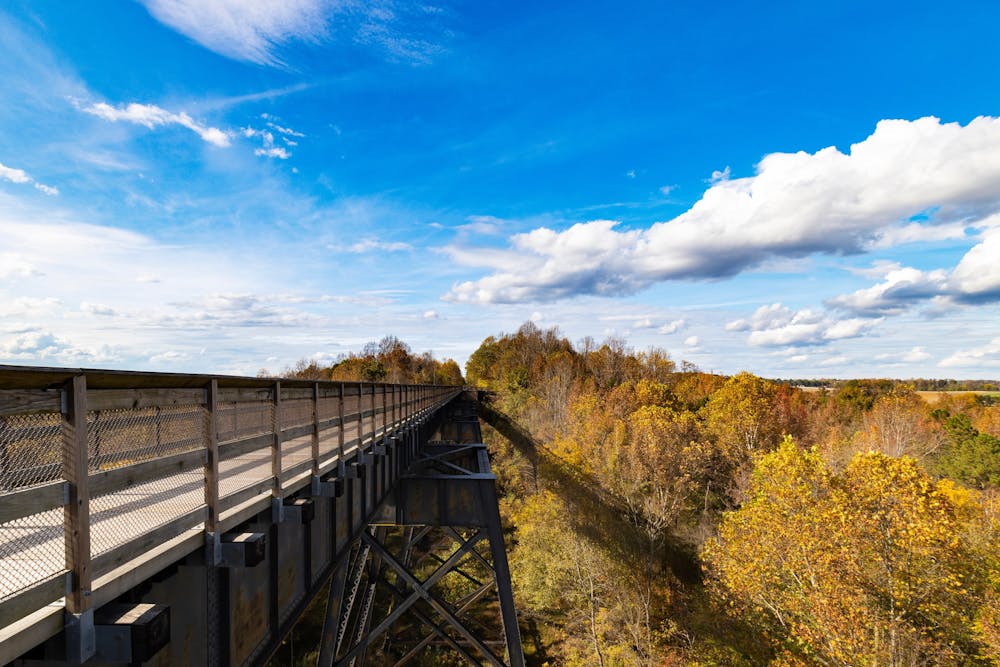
{"points": [[659, 515]]}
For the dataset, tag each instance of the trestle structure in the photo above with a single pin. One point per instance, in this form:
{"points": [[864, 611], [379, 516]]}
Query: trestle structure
{"points": [[170, 519], [430, 573]]}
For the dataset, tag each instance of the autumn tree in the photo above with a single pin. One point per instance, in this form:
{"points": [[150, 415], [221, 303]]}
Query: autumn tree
{"points": [[868, 566]]}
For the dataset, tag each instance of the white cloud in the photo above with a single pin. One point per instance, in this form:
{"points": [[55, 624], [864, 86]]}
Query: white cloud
{"points": [[13, 175], [644, 323], [14, 265], [256, 31], [430, 315], [98, 309], [797, 204], [976, 358], [914, 355], [665, 190], [284, 130], [777, 325], [276, 151], [672, 327], [44, 346], [369, 245], [267, 149], [691, 341], [28, 306], [241, 30], [21, 177], [152, 116], [976, 279], [838, 360]]}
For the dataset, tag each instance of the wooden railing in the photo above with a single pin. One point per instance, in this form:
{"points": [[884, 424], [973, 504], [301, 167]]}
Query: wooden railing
{"points": [[99, 467]]}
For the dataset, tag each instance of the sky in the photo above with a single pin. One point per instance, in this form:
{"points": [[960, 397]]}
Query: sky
{"points": [[797, 189]]}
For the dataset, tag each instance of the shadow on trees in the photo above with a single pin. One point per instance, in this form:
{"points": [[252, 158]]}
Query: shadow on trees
{"points": [[596, 513]]}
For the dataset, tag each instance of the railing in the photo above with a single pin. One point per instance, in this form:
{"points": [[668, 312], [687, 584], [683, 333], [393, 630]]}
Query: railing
{"points": [[98, 467]]}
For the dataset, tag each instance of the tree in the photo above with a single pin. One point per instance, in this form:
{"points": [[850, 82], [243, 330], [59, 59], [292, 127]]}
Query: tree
{"points": [[868, 566]]}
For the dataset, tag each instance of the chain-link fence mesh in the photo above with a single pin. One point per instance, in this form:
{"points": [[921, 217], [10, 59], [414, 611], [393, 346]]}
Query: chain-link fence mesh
{"points": [[296, 412], [329, 408], [30, 449], [117, 438], [244, 420], [31, 547]]}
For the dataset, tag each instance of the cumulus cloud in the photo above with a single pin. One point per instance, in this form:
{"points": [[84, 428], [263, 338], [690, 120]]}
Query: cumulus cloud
{"points": [[978, 357], [672, 327], [976, 279], [152, 116], [21, 177], [777, 325], [39, 345], [691, 341], [907, 181]]}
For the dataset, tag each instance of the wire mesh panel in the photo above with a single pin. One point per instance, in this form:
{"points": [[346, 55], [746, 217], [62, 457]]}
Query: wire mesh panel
{"points": [[328, 407], [31, 547], [238, 420], [117, 438], [30, 449], [296, 412]]}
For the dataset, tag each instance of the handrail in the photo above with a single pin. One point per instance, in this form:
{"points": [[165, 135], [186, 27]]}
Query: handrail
{"points": [[131, 458]]}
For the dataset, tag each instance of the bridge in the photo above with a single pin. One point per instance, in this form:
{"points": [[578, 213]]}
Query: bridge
{"points": [[168, 519]]}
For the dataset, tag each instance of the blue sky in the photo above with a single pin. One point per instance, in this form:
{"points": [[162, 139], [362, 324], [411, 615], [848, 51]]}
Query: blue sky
{"points": [[796, 189]]}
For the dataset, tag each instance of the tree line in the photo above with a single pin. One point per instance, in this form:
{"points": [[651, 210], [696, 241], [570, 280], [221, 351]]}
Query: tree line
{"points": [[659, 515]]}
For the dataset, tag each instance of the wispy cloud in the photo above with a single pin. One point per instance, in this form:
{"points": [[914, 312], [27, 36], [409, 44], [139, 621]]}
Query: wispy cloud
{"points": [[797, 204], [20, 177], [256, 32], [152, 116]]}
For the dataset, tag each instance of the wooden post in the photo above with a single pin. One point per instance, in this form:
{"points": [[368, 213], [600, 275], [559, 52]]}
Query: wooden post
{"points": [[276, 443], [76, 513], [212, 459], [315, 432], [385, 413], [340, 416]]}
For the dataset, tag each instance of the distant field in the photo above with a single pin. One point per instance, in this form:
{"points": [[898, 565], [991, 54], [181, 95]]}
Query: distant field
{"points": [[935, 396]]}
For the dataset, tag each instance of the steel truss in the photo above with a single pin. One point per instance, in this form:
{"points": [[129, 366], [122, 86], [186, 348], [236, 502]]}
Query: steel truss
{"points": [[419, 578]]}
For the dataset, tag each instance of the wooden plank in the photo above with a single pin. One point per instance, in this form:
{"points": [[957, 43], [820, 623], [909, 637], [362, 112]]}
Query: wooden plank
{"points": [[117, 479], [292, 472], [244, 394], [233, 448], [32, 500], [134, 399], [28, 632], [25, 401], [31, 599], [76, 515], [119, 580], [297, 432], [129, 551], [231, 500]]}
